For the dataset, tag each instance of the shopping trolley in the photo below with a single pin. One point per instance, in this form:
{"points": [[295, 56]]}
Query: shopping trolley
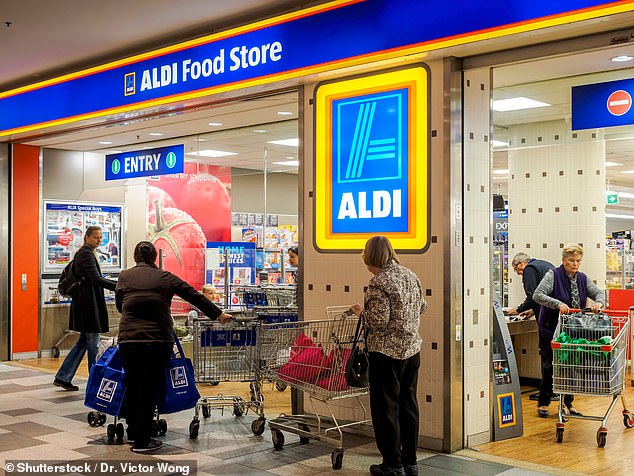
{"points": [[227, 353], [311, 356], [590, 358], [113, 324]]}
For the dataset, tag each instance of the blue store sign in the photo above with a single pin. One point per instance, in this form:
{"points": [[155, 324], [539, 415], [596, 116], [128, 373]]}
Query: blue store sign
{"points": [[321, 38], [145, 163], [603, 105]]}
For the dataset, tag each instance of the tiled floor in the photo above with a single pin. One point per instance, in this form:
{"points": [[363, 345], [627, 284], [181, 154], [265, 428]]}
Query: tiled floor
{"points": [[41, 422]]}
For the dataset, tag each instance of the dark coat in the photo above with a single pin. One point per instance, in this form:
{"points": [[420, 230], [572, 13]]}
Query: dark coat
{"points": [[533, 274], [88, 312], [144, 295]]}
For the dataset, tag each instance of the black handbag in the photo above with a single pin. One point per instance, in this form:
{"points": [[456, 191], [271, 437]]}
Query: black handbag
{"points": [[358, 365]]}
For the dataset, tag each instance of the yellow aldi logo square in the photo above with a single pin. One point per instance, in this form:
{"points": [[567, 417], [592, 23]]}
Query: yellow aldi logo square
{"points": [[372, 160]]}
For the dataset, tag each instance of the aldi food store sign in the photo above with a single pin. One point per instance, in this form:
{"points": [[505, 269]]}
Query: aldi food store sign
{"points": [[145, 163], [371, 152]]}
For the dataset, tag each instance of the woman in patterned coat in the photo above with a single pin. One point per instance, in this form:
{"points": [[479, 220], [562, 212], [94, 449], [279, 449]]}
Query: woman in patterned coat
{"points": [[393, 304]]}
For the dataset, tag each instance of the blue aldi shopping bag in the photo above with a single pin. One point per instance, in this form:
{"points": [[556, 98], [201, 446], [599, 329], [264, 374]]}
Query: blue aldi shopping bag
{"points": [[105, 390], [180, 386]]}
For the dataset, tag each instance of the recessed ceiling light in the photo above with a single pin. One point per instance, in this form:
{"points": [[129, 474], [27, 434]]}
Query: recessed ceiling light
{"points": [[290, 142], [259, 131], [627, 172], [155, 134], [285, 113], [212, 153], [612, 164], [626, 195], [501, 171], [215, 123], [622, 58], [116, 151], [291, 158], [201, 140], [516, 104], [499, 143], [105, 142], [291, 163]]}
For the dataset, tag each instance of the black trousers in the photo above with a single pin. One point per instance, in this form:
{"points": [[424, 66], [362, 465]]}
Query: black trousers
{"points": [[394, 407], [144, 365], [546, 386]]}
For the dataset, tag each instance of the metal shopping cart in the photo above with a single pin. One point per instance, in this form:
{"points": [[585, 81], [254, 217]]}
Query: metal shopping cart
{"points": [[590, 358], [227, 353], [311, 356]]}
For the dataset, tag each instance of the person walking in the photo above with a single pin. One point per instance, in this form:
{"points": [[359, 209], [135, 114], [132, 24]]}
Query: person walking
{"points": [[146, 337], [393, 304], [88, 311], [563, 288], [532, 272]]}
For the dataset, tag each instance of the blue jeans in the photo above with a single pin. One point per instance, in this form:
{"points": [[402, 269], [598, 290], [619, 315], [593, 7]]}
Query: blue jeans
{"points": [[88, 341]]}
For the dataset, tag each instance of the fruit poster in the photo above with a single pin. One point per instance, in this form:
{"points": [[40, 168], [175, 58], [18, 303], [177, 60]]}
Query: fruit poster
{"points": [[185, 211], [65, 224]]}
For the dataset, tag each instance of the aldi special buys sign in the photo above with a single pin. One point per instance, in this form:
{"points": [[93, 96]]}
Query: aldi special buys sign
{"points": [[145, 163], [372, 160], [322, 38]]}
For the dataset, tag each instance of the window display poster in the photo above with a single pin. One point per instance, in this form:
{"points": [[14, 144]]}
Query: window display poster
{"points": [[65, 225], [241, 263]]}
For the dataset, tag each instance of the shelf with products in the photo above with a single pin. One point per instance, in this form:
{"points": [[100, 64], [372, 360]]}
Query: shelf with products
{"points": [[619, 264]]}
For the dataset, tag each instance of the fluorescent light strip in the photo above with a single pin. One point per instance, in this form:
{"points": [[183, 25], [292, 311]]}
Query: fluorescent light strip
{"points": [[212, 153], [290, 163], [623, 217], [516, 104], [290, 142], [499, 143]]}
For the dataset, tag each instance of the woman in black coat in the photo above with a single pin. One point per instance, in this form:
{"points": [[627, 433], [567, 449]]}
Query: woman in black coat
{"points": [[88, 312]]}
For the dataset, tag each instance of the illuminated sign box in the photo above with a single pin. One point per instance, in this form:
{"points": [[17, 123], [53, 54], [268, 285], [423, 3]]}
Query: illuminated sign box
{"points": [[372, 160], [146, 162]]}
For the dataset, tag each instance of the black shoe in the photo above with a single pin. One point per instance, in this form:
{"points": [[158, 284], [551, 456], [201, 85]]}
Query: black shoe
{"points": [[411, 469], [65, 385], [153, 445], [384, 470]]}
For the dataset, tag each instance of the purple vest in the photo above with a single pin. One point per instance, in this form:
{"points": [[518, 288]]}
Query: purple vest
{"points": [[548, 317]]}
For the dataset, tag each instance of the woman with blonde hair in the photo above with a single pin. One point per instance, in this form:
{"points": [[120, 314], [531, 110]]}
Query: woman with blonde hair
{"points": [[393, 304]]}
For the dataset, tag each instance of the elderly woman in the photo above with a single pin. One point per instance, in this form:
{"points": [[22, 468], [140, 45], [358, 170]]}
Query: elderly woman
{"points": [[560, 290], [393, 304], [146, 336]]}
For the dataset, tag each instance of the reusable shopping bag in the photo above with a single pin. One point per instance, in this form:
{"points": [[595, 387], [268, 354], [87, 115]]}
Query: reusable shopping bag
{"points": [[106, 388], [305, 362], [180, 386], [358, 365]]}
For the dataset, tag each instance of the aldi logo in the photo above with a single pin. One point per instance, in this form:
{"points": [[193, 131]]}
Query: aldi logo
{"points": [[107, 390], [372, 160], [506, 410], [178, 376], [129, 84]]}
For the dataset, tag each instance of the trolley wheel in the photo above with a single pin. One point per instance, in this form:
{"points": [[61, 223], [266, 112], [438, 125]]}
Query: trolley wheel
{"points": [[602, 435], [55, 352], [205, 410], [119, 431], [111, 432], [194, 426], [278, 438], [238, 409], [560, 435], [257, 426], [162, 424], [337, 458], [304, 440], [628, 419], [280, 386], [155, 428], [102, 418], [93, 419]]}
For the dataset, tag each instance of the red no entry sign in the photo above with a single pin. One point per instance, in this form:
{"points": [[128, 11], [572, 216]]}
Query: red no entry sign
{"points": [[619, 102]]}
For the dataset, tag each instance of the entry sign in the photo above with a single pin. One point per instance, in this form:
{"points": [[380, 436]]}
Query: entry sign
{"points": [[611, 198], [603, 105], [147, 162], [371, 153]]}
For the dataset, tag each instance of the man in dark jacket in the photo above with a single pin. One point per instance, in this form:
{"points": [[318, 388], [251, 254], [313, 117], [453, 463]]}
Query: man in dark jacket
{"points": [[532, 272], [88, 312]]}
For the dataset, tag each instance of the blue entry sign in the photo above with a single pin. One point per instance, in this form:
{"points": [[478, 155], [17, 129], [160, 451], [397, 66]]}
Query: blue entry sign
{"points": [[603, 105], [147, 162]]}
